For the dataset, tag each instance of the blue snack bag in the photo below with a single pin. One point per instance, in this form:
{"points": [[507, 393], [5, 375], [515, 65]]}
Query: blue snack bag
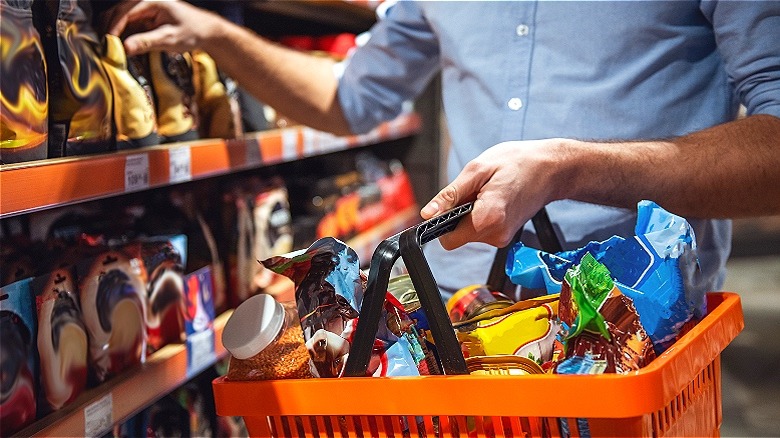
{"points": [[656, 268]]}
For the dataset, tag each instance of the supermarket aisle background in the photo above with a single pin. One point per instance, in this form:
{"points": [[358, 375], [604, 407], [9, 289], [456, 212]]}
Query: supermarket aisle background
{"points": [[751, 364]]}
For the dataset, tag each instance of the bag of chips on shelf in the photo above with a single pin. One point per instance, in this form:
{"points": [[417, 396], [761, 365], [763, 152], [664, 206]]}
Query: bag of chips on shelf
{"points": [[133, 110], [112, 293], [62, 340], [23, 90], [80, 95], [17, 357], [164, 259]]}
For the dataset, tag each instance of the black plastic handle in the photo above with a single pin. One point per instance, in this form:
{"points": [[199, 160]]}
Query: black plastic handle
{"points": [[548, 241], [408, 244]]}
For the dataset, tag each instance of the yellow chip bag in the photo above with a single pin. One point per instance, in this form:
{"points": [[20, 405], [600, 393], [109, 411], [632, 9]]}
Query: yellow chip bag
{"points": [[526, 329]]}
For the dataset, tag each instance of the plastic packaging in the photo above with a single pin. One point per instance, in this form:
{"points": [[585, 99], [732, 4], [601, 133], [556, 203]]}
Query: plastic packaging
{"points": [[265, 341], [657, 268]]}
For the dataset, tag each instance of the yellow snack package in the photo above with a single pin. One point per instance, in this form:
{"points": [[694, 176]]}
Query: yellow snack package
{"points": [[526, 329]]}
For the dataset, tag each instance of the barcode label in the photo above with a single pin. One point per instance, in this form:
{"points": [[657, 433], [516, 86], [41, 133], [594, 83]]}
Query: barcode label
{"points": [[180, 159], [136, 172], [99, 416]]}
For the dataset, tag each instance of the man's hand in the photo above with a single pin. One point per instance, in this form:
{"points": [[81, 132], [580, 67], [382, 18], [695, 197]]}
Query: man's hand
{"points": [[162, 25], [508, 183]]}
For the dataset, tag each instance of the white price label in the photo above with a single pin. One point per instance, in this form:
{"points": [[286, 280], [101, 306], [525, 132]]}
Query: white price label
{"points": [[180, 159], [290, 144], [311, 140], [99, 416], [200, 353], [136, 172]]}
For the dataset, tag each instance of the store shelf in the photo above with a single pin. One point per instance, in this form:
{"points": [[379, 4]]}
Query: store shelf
{"points": [[125, 395], [27, 187]]}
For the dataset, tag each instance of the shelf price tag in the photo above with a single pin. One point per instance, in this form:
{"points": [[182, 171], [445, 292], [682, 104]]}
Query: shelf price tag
{"points": [[290, 144], [99, 416], [180, 159], [136, 172], [200, 351], [311, 141]]}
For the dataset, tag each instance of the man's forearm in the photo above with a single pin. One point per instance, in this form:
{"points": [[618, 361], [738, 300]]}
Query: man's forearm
{"points": [[729, 170], [296, 84]]}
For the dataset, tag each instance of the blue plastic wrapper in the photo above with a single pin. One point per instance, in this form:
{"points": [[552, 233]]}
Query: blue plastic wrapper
{"points": [[329, 287], [655, 268]]}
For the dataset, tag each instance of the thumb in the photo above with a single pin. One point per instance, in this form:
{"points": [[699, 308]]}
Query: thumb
{"points": [[464, 188]]}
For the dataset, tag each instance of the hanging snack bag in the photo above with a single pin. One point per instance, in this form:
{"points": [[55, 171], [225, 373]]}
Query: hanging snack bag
{"points": [[600, 324], [17, 357], [23, 89], [80, 96], [657, 268], [63, 346], [112, 294], [329, 287]]}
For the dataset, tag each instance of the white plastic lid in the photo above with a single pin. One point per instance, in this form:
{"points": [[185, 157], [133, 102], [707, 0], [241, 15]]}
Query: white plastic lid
{"points": [[252, 326]]}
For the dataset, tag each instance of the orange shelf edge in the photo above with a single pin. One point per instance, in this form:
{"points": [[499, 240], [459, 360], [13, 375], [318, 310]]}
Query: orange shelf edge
{"points": [[163, 371], [38, 185]]}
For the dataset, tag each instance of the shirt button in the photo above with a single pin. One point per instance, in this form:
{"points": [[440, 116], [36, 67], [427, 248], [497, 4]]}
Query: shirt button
{"points": [[522, 30], [514, 104]]}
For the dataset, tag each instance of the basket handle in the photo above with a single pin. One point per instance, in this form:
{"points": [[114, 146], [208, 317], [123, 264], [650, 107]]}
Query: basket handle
{"points": [[497, 279], [408, 245]]}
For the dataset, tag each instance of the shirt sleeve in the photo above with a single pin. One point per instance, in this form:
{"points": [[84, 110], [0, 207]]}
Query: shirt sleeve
{"points": [[748, 38], [395, 65]]}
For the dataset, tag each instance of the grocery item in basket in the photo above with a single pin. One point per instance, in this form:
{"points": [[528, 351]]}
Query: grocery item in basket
{"points": [[112, 294], [329, 287], [62, 340], [502, 365], [402, 325], [17, 357], [657, 269], [23, 91], [527, 329], [265, 341], [599, 322], [474, 300]]}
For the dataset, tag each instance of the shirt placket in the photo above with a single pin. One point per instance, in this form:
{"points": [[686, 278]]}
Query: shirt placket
{"points": [[516, 92]]}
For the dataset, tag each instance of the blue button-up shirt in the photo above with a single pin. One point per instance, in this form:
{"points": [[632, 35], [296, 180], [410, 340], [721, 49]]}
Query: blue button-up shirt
{"points": [[527, 70]]}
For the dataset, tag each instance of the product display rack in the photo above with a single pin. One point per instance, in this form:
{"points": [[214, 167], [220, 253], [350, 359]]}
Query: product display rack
{"points": [[38, 185]]}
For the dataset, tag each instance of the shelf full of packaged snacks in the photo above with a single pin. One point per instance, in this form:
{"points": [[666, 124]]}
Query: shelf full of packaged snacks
{"points": [[97, 409], [37, 185]]}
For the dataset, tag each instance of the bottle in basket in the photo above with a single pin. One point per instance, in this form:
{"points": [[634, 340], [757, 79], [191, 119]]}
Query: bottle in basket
{"points": [[265, 341]]}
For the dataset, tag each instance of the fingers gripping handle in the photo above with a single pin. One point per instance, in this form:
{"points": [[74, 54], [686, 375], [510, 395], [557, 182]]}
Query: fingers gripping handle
{"points": [[407, 244]]}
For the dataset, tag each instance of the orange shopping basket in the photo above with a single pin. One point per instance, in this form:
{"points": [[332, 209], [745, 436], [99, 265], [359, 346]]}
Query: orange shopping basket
{"points": [[677, 394]]}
